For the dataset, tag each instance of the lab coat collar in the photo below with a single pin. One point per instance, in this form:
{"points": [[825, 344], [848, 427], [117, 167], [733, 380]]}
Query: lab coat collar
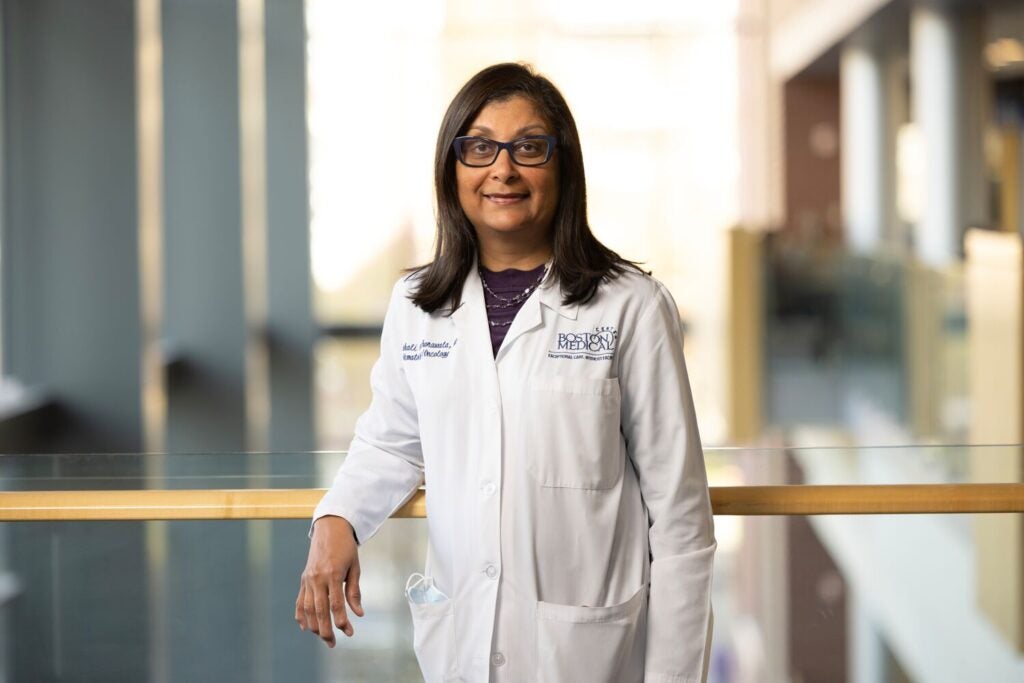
{"points": [[550, 295]]}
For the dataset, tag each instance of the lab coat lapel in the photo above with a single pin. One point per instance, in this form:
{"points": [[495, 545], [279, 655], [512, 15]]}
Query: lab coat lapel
{"points": [[470, 318]]}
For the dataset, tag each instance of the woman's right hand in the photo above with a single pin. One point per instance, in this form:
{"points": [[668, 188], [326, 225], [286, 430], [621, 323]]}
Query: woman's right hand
{"points": [[333, 562]]}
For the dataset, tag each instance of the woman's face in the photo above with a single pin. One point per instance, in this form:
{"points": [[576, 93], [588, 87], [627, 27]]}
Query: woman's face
{"points": [[505, 197]]}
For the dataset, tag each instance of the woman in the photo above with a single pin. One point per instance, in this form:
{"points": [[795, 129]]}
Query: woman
{"points": [[535, 380]]}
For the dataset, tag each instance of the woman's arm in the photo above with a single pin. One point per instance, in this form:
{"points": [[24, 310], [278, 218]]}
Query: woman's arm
{"points": [[660, 427], [383, 469], [384, 465]]}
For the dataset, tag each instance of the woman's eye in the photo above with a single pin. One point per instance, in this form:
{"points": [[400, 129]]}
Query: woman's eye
{"points": [[479, 148], [531, 148]]}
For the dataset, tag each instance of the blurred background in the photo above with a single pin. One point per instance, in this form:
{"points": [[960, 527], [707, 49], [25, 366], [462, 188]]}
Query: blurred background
{"points": [[204, 204]]}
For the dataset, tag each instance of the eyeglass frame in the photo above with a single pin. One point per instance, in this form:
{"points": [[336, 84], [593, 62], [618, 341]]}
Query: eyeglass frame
{"points": [[552, 141]]}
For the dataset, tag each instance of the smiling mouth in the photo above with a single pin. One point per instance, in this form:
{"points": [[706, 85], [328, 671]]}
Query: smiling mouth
{"points": [[506, 197]]}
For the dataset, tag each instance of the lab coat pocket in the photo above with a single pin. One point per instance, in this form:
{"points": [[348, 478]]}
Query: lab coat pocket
{"points": [[571, 432], [434, 638], [587, 643]]}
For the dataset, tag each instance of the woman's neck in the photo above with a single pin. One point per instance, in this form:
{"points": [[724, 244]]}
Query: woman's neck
{"points": [[502, 256]]}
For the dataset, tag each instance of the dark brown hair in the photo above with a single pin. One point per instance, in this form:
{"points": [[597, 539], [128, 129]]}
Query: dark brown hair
{"points": [[580, 262]]}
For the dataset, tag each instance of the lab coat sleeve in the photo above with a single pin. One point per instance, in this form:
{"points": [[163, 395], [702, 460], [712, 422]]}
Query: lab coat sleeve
{"points": [[660, 427], [384, 465]]}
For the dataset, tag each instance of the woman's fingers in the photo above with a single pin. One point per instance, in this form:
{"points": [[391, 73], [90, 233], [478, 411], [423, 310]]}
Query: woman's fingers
{"points": [[300, 606], [322, 605], [355, 598], [308, 608], [337, 602]]}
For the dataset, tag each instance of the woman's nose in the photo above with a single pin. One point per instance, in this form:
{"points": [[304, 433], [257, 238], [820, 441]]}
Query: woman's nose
{"points": [[503, 169]]}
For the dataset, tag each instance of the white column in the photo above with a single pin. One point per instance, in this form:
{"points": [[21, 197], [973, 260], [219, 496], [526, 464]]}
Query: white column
{"points": [[863, 174], [935, 109]]}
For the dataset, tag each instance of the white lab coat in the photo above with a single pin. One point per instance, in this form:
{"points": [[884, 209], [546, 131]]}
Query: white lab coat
{"points": [[570, 527]]}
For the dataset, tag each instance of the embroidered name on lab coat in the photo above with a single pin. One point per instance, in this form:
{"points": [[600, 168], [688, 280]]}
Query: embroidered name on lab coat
{"points": [[596, 345], [427, 349]]}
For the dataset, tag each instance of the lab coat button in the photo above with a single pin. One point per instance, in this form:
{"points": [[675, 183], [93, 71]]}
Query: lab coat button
{"points": [[497, 659], [489, 488], [491, 571]]}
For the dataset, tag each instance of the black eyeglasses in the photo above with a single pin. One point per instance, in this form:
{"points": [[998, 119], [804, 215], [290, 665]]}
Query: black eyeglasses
{"points": [[532, 150]]}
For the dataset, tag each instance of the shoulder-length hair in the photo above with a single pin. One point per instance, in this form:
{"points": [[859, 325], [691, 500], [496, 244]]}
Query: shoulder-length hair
{"points": [[580, 262]]}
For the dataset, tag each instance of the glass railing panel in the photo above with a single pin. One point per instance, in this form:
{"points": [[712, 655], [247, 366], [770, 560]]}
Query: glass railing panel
{"points": [[913, 464], [789, 595], [196, 601], [821, 597], [134, 471], [795, 597]]}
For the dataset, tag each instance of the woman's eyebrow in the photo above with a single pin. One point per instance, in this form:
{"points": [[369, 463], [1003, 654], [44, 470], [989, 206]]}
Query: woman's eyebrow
{"points": [[487, 131]]}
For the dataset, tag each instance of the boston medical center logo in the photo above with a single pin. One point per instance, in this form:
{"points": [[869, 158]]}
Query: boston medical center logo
{"points": [[596, 345]]}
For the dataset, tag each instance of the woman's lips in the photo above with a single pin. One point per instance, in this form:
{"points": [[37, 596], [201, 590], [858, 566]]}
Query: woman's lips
{"points": [[505, 198]]}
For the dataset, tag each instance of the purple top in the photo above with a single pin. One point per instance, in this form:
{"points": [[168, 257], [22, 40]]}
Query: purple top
{"points": [[506, 284]]}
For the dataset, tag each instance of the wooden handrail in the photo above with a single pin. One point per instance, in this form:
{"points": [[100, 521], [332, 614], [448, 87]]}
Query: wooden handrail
{"points": [[867, 499], [151, 504]]}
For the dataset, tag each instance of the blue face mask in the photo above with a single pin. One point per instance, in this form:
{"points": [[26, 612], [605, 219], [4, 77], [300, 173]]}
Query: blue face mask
{"points": [[421, 590]]}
